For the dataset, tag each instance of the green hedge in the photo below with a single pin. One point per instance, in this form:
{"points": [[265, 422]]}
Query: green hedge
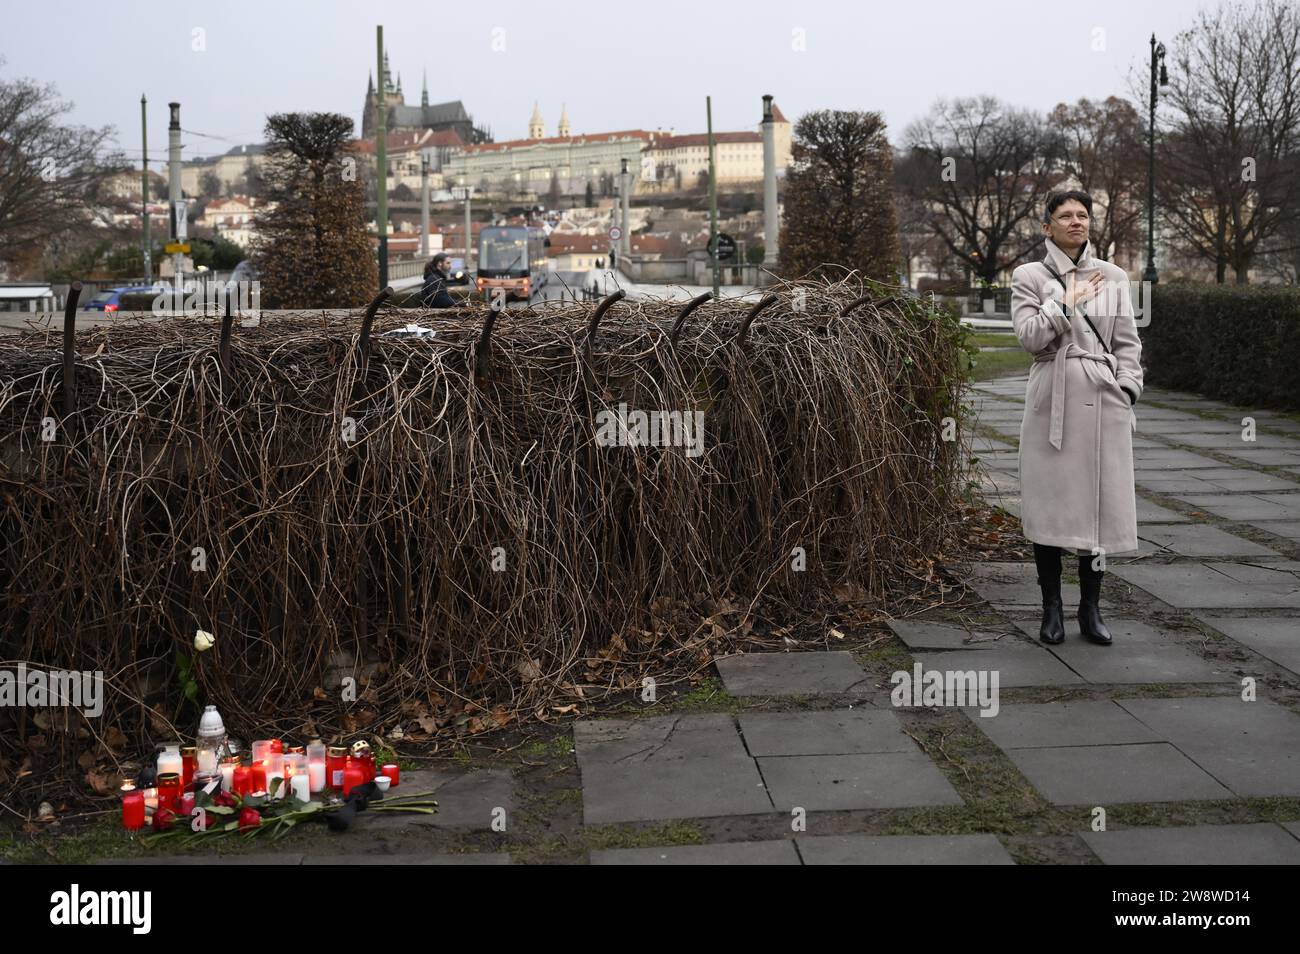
{"points": [[1234, 343]]}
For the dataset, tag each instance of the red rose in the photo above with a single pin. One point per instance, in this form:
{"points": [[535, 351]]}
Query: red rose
{"points": [[249, 818], [224, 800], [163, 818]]}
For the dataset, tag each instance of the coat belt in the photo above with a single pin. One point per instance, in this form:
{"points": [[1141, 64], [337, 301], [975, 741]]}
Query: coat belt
{"points": [[1056, 429]]}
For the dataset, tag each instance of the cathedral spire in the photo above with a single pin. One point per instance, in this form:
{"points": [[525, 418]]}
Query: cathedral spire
{"points": [[424, 90], [564, 122], [536, 128]]}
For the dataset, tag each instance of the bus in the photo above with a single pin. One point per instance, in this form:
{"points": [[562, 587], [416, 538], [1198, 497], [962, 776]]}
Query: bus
{"points": [[512, 257]]}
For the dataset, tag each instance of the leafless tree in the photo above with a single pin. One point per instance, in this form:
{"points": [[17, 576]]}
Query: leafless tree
{"points": [[1228, 172], [1100, 146], [50, 172], [981, 169]]}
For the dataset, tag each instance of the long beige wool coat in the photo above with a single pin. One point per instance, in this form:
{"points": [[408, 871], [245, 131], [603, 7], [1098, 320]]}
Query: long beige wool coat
{"points": [[1076, 446]]}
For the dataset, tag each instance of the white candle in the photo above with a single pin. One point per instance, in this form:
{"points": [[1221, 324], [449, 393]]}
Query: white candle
{"points": [[298, 784], [227, 776], [207, 763], [316, 776], [169, 760]]}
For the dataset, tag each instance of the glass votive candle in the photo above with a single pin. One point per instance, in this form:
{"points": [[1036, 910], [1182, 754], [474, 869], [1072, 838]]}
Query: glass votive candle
{"points": [[228, 767], [132, 808], [335, 761], [295, 776], [257, 777], [189, 760], [241, 780], [393, 773], [316, 759], [150, 798], [169, 760], [261, 749], [169, 790]]}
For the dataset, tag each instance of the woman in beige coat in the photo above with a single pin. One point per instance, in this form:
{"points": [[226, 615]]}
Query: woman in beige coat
{"points": [[1076, 447]]}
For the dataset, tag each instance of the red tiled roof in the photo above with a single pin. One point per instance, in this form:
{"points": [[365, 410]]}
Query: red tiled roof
{"points": [[564, 242], [702, 139], [777, 115]]}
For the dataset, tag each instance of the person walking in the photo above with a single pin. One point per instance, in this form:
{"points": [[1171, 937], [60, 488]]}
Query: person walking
{"points": [[1073, 312], [434, 294]]}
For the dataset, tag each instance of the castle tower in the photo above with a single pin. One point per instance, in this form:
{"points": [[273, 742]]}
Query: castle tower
{"points": [[564, 123], [536, 130]]}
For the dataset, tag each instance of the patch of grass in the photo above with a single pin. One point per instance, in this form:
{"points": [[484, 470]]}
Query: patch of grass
{"points": [[993, 339], [995, 364], [560, 747], [614, 836], [104, 839], [707, 696]]}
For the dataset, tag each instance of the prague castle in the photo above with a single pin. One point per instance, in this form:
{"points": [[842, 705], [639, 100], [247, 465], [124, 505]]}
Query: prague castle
{"points": [[400, 117]]}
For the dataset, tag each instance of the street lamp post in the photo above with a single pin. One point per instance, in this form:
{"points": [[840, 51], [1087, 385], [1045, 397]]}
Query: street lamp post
{"points": [[1157, 59]]}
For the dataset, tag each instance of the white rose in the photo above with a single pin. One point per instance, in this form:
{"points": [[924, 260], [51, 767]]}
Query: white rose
{"points": [[203, 641]]}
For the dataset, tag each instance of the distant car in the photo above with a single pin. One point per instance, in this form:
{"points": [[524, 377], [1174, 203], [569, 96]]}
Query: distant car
{"points": [[110, 299]]}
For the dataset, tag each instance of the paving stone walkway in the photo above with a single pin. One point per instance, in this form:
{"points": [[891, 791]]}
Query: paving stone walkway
{"points": [[1154, 720]]}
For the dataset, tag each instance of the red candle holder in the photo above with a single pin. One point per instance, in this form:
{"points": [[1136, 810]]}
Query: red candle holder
{"points": [[132, 809], [277, 746], [189, 759], [169, 790], [241, 782], [257, 777], [354, 774], [393, 773]]}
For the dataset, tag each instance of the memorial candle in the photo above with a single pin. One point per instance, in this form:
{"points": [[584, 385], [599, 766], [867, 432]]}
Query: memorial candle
{"points": [[316, 756], [257, 777], [335, 761], [228, 767], [241, 781], [132, 808], [353, 774], [169, 790], [393, 773], [189, 760]]}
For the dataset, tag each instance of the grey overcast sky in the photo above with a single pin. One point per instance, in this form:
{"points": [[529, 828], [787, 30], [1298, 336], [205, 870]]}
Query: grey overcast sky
{"points": [[615, 65]]}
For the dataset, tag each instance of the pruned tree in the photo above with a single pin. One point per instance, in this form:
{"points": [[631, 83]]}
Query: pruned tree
{"points": [[839, 204], [49, 172], [1099, 145], [313, 248], [980, 168], [1228, 171]]}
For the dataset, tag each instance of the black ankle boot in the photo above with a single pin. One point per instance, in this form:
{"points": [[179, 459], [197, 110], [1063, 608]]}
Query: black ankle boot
{"points": [[1090, 622], [1047, 559], [1052, 630]]}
